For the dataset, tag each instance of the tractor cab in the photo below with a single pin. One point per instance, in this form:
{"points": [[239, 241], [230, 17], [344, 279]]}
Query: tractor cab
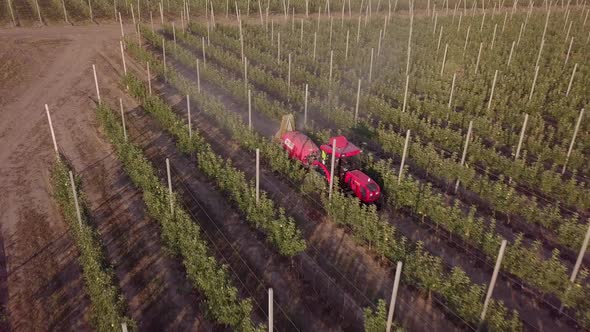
{"points": [[347, 168]]}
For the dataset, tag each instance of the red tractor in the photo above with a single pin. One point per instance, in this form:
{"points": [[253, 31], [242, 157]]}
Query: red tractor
{"points": [[302, 148]]}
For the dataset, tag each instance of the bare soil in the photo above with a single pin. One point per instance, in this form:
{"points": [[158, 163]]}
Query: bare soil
{"points": [[41, 283]]}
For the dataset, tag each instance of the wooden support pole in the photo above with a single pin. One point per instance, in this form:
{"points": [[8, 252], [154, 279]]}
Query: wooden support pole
{"points": [[249, 109], [162, 13], [289, 73], [510, 56], [573, 141], [149, 77], [493, 282], [245, 75], [540, 51], [439, 38], [580, 256], [305, 105], [123, 119], [331, 66], [371, 66], [123, 57], [96, 83], [39, 11], [409, 45], [534, 82], [257, 175], [152, 21], [358, 31], [204, 57], [492, 91], [569, 50], [452, 89], [278, 47], [75, 194], [170, 194], [52, 132], [358, 99], [398, 273], [332, 169], [188, 108], [164, 55], [301, 35], [66, 13], [123, 327], [406, 93], [270, 308], [315, 40], [521, 138], [478, 57], [404, 155], [466, 40], [11, 12], [346, 50], [465, 146], [494, 36], [442, 68], [569, 86], [198, 77]]}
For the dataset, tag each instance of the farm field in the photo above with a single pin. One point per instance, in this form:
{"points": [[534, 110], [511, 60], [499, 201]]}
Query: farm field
{"points": [[147, 186]]}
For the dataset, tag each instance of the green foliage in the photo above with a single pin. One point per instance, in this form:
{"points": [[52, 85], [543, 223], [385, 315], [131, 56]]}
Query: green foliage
{"points": [[281, 231], [108, 305], [180, 233]]}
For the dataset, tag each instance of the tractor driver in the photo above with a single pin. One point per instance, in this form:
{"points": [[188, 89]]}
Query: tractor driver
{"points": [[324, 157]]}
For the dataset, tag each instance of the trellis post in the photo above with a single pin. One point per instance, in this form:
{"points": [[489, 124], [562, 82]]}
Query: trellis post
{"points": [[52, 132], [573, 141], [358, 99], [188, 108], [406, 93], [569, 50], [478, 57], [371, 65], [123, 119], [169, 186], [569, 86], [149, 77], [493, 87], [96, 83], [257, 175], [521, 138], [493, 281], [465, 149], [346, 50], [398, 273], [76, 204], [442, 69], [198, 77], [404, 154], [452, 90], [11, 12], [249, 109], [123, 57], [289, 73], [510, 56], [305, 105], [332, 169], [466, 40], [580, 255], [534, 82], [65, 12]]}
